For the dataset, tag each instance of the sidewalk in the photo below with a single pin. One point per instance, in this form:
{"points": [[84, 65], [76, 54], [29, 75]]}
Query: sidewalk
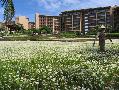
{"points": [[106, 41]]}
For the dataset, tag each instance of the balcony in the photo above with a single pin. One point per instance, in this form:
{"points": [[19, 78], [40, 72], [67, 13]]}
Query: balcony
{"points": [[86, 14], [74, 30], [91, 15], [91, 26], [68, 18], [101, 22], [68, 24], [102, 15], [86, 23], [68, 21], [86, 20], [77, 17]]}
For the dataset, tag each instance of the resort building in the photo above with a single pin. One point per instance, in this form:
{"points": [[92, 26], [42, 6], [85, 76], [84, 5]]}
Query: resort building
{"points": [[53, 22], [31, 25], [115, 18], [82, 20], [23, 20], [86, 19]]}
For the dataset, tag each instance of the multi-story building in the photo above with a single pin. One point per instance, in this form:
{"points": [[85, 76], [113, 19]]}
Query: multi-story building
{"points": [[53, 22], [75, 20], [31, 25], [115, 18], [70, 21], [86, 19], [96, 16], [24, 21]]}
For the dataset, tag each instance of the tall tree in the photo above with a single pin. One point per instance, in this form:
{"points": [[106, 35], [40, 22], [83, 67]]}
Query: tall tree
{"points": [[9, 10]]}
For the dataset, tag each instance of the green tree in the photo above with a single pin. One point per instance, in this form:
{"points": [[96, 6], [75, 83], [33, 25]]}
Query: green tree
{"points": [[35, 31], [18, 28], [9, 10], [46, 29], [39, 31]]}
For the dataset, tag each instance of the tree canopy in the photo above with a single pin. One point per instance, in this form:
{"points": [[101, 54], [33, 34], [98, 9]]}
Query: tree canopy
{"points": [[9, 10]]}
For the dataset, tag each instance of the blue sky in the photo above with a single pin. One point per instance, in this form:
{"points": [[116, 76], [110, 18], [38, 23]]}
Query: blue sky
{"points": [[54, 7]]}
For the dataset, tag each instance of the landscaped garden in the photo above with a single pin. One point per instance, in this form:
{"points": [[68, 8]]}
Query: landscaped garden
{"points": [[58, 66]]}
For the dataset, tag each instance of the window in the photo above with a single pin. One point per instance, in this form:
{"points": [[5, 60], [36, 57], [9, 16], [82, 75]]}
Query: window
{"points": [[86, 26], [86, 30], [86, 20]]}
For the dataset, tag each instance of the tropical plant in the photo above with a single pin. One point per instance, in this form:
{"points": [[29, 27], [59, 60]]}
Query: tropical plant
{"points": [[9, 10]]}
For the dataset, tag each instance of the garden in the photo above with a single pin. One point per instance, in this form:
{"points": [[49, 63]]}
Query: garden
{"points": [[35, 65]]}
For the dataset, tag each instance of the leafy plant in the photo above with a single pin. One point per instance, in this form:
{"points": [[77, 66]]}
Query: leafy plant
{"points": [[46, 29], [94, 30]]}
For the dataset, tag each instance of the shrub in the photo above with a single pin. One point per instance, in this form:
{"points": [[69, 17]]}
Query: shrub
{"points": [[68, 34], [113, 35], [46, 29]]}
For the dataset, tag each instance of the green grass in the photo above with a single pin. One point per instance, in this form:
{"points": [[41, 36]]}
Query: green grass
{"points": [[58, 65]]}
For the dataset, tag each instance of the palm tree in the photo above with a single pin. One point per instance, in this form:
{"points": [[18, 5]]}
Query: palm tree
{"points": [[9, 10]]}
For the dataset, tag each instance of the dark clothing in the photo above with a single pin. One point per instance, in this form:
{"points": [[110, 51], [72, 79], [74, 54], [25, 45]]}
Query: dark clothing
{"points": [[102, 41]]}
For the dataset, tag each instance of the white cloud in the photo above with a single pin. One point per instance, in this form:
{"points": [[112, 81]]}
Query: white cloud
{"points": [[57, 6], [104, 2], [54, 4], [49, 4], [73, 2]]}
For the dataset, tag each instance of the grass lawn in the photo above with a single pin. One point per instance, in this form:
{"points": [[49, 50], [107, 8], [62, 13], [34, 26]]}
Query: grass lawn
{"points": [[30, 65]]}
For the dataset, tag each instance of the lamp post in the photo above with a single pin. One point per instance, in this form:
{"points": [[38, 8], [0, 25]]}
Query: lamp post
{"points": [[102, 38]]}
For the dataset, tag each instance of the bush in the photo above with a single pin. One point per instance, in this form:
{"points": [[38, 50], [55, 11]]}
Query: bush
{"points": [[25, 38], [113, 35], [27, 32], [46, 29], [92, 32], [68, 34]]}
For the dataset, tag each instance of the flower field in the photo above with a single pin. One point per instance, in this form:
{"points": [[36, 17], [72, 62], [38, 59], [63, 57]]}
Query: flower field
{"points": [[58, 66]]}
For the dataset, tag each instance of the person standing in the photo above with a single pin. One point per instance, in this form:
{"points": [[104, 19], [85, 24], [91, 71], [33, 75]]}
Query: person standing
{"points": [[102, 39], [102, 36]]}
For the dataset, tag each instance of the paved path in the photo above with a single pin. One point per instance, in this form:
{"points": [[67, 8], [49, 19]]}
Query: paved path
{"points": [[107, 41]]}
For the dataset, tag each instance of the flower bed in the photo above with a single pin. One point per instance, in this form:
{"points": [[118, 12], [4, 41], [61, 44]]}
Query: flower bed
{"points": [[58, 66]]}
